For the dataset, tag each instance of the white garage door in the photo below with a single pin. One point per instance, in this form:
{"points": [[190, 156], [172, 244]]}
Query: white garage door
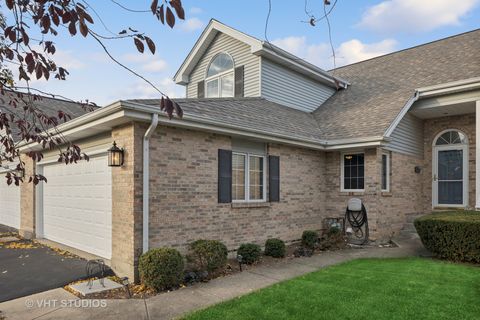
{"points": [[9, 204], [77, 205]]}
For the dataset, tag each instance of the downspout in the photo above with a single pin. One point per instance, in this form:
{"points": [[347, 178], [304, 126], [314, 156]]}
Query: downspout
{"points": [[146, 179]]}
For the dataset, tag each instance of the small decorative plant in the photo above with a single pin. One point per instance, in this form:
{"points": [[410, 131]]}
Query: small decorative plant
{"points": [[275, 248], [309, 239], [249, 252], [207, 256], [161, 268]]}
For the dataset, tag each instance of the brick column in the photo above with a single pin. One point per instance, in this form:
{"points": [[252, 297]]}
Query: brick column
{"points": [[477, 155], [373, 161], [127, 202], [27, 200]]}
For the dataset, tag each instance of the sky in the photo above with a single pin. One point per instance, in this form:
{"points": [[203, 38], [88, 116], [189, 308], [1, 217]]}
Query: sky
{"points": [[359, 30]]}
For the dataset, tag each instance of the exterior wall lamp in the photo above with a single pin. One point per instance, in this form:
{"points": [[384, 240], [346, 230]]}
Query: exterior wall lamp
{"points": [[115, 156]]}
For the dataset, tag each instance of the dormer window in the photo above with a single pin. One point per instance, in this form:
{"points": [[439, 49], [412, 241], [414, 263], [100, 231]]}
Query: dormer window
{"points": [[220, 77]]}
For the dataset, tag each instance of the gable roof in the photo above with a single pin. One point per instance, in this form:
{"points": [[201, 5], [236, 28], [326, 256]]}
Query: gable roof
{"points": [[380, 87], [257, 47]]}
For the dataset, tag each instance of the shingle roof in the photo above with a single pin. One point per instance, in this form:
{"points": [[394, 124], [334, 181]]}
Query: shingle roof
{"points": [[381, 86], [50, 106], [250, 113]]}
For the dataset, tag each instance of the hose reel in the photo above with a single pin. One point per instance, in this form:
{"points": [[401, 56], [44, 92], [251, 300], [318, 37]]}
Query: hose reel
{"points": [[356, 217]]}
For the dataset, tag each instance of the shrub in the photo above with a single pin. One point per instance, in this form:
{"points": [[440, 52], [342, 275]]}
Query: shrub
{"points": [[207, 255], [275, 248], [333, 231], [451, 235], [161, 268], [332, 239], [309, 239], [250, 252]]}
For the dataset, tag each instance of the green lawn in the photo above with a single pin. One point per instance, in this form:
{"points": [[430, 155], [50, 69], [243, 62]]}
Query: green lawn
{"points": [[364, 289]]}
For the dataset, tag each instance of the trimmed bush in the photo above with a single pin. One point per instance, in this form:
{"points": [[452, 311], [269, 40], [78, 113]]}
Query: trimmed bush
{"points": [[451, 235], [275, 248], [309, 239], [207, 255], [161, 268], [250, 252]]}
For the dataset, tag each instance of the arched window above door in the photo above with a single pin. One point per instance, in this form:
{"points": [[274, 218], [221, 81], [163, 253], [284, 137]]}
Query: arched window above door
{"points": [[451, 137]]}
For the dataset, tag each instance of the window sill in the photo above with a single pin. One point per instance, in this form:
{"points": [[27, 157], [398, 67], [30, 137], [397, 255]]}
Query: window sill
{"points": [[251, 205], [353, 192], [387, 194]]}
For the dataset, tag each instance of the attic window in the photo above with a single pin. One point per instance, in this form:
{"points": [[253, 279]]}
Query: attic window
{"points": [[220, 77]]}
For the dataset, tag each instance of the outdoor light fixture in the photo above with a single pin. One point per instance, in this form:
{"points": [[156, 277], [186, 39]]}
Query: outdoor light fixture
{"points": [[115, 156], [125, 284], [240, 261]]}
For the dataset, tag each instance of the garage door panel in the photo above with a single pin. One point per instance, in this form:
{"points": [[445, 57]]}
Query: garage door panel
{"points": [[77, 205], [9, 204]]}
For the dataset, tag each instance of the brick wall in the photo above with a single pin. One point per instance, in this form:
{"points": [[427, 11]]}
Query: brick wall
{"points": [[27, 200], [432, 127], [127, 201], [183, 193], [404, 197], [386, 210]]}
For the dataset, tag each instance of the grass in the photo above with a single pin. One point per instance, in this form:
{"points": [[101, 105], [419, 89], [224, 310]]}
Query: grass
{"points": [[410, 288]]}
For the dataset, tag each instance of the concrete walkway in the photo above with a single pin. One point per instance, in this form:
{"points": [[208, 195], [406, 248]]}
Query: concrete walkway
{"points": [[59, 304]]}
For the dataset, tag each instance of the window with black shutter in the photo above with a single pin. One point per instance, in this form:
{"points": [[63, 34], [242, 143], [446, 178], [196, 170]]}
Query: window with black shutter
{"points": [[274, 178], [224, 176]]}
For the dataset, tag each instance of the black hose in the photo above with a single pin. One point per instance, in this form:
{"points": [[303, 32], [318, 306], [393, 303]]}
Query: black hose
{"points": [[357, 220]]}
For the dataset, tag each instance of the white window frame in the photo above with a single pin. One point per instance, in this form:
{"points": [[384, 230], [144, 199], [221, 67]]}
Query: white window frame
{"points": [[457, 146], [220, 77], [387, 189], [247, 177], [342, 171]]}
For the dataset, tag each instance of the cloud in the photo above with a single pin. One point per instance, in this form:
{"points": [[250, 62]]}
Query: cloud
{"points": [[67, 60], [146, 62], [192, 24], [62, 58], [415, 16], [354, 50], [155, 66], [196, 10], [140, 89], [348, 52]]}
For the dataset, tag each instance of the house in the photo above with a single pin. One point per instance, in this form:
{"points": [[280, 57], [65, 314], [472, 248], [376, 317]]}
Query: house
{"points": [[10, 195], [269, 146]]}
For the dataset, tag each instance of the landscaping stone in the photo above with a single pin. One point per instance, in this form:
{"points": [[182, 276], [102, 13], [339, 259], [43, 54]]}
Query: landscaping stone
{"points": [[83, 288], [8, 239]]}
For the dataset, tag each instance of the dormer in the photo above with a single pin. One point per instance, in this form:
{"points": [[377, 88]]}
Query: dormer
{"points": [[225, 62]]}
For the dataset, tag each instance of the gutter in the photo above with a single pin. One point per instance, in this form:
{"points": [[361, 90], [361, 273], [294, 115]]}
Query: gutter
{"points": [[433, 91], [146, 179]]}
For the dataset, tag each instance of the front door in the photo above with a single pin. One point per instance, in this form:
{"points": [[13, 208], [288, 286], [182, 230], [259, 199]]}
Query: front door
{"points": [[450, 176]]}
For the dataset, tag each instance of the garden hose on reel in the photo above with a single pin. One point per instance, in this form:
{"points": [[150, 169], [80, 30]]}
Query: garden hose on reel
{"points": [[356, 216]]}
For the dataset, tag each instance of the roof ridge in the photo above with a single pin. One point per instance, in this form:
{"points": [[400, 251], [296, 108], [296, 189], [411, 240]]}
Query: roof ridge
{"points": [[43, 95], [408, 49]]}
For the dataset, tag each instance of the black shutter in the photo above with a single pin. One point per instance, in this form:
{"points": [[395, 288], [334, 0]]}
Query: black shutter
{"points": [[239, 82], [224, 176], [201, 89], [274, 178]]}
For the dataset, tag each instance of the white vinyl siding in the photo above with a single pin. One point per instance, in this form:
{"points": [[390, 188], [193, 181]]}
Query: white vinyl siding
{"points": [[9, 203], [240, 52], [291, 88], [407, 138]]}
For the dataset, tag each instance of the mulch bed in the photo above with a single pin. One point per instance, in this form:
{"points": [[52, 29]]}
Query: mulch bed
{"points": [[140, 291]]}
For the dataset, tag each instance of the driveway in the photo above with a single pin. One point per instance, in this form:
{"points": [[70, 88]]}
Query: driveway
{"points": [[27, 267]]}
